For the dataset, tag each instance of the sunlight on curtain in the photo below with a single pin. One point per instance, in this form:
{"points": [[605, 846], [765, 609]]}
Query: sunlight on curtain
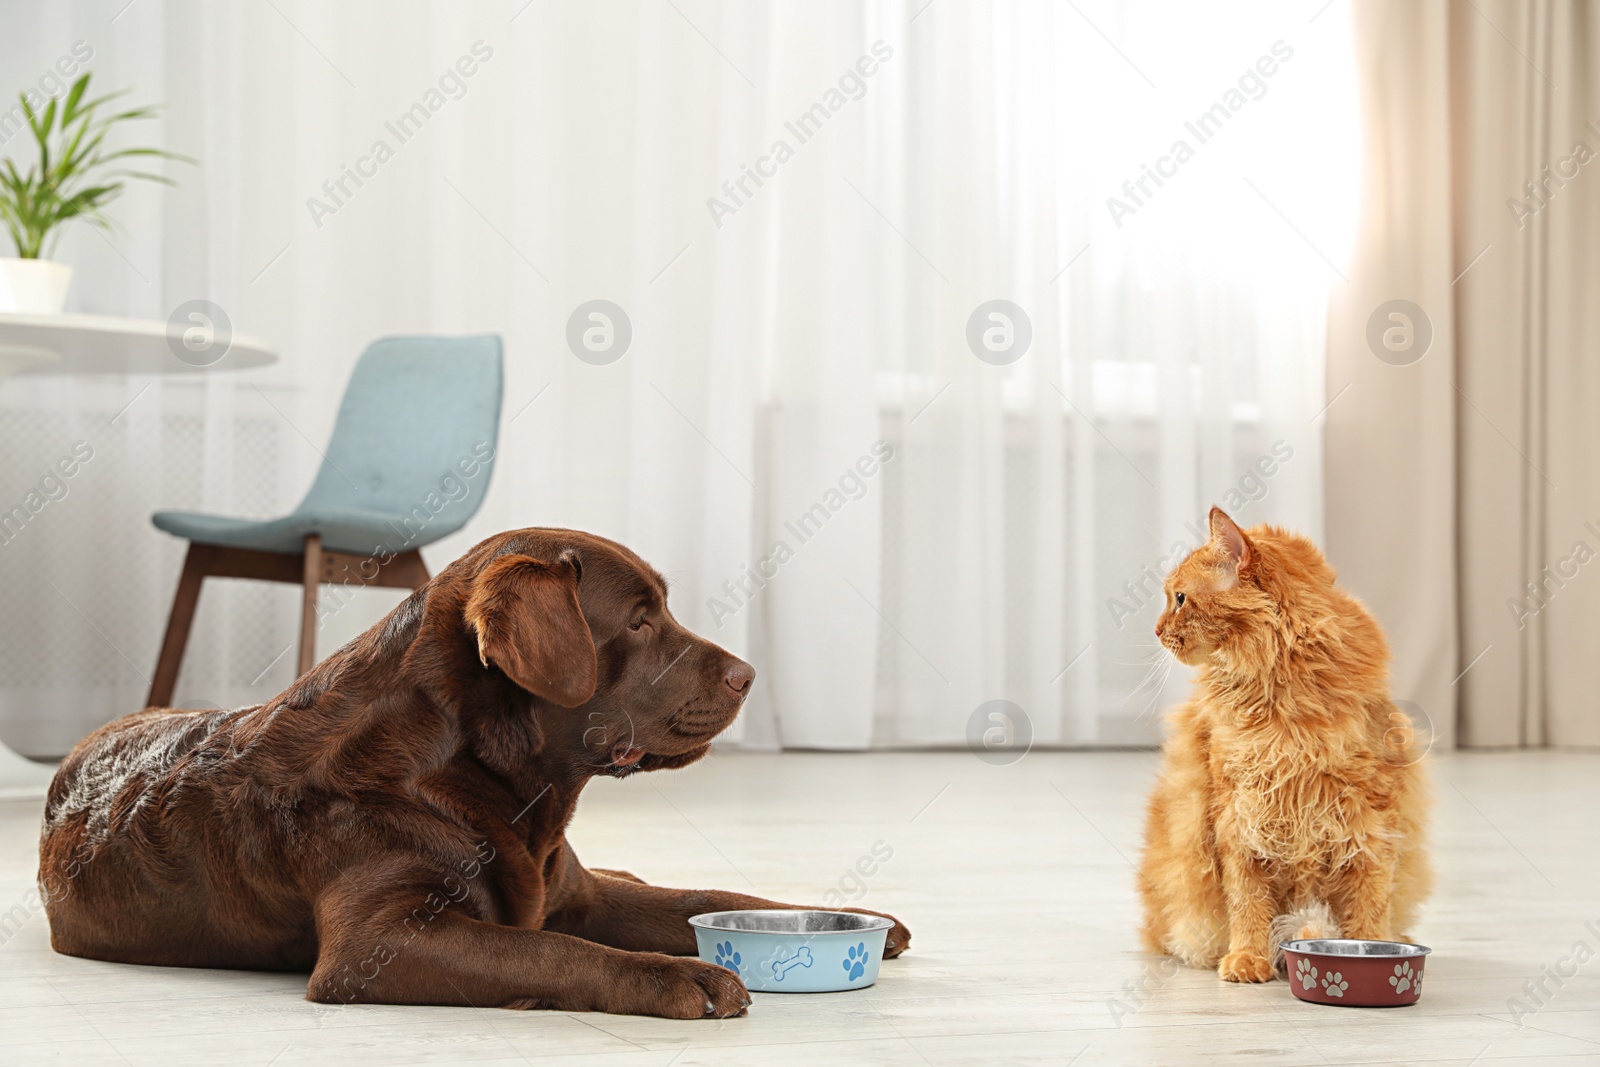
{"points": [[955, 529], [1169, 207]]}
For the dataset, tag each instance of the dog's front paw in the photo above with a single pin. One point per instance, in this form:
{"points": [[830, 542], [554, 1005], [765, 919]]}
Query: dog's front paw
{"points": [[692, 989], [1244, 967], [899, 938]]}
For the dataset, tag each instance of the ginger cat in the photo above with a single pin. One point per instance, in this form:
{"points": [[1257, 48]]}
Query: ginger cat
{"points": [[1292, 799]]}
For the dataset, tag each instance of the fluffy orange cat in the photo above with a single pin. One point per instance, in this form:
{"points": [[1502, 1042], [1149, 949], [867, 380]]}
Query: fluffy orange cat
{"points": [[1292, 799]]}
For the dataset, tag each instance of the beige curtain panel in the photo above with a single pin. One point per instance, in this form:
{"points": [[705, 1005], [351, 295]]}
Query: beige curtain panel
{"points": [[1462, 435]]}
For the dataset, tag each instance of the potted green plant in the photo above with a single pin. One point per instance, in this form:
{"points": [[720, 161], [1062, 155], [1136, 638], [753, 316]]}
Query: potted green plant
{"points": [[74, 177]]}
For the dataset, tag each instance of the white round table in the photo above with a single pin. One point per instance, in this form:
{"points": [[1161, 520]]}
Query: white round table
{"points": [[101, 344], [98, 344]]}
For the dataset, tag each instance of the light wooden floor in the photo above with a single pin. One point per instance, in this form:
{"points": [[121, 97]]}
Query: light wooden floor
{"points": [[1017, 884]]}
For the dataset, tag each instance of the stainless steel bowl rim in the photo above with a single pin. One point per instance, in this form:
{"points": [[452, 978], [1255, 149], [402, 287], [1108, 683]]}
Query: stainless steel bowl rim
{"points": [[861, 924], [1350, 948]]}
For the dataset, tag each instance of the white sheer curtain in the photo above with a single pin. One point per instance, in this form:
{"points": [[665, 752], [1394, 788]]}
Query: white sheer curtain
{"points": [[799, 434]]}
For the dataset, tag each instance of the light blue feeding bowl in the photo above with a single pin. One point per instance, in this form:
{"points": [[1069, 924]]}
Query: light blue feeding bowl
{"points": [[794, 951]]}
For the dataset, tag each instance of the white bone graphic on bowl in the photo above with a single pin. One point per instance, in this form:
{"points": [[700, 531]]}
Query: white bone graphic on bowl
{"points": [[801, 958]]}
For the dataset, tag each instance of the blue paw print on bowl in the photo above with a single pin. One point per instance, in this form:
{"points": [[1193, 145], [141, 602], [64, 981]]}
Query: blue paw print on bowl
{"points": [[855, 964], [728, 958]]}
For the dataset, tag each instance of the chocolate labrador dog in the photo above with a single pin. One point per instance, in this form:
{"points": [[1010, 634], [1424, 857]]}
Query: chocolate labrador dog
{"points": [[395, 821]]}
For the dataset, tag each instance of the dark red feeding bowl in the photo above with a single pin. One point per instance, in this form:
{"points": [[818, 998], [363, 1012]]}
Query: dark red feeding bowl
{"points": [[1357, 974]]}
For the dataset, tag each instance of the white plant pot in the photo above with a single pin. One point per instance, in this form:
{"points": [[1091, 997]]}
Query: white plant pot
{"points": [[33, 286]]}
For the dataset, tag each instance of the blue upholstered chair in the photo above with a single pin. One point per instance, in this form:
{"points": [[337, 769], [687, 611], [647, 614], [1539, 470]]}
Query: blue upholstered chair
{"points": [[409, 463]]}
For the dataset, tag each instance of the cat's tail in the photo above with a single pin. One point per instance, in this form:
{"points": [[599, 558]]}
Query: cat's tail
{"points": [[1308, 921]]}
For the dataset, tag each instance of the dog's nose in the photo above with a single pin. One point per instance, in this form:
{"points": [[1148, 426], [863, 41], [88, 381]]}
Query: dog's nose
{"points": [[739, 677]]}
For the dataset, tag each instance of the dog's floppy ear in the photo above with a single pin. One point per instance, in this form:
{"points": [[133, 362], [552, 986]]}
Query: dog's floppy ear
{"points": [[526, 615]]}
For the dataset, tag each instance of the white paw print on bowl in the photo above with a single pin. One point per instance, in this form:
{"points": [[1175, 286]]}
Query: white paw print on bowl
{"points": [[1403, 977], [1333, 984], [1307, 973]]}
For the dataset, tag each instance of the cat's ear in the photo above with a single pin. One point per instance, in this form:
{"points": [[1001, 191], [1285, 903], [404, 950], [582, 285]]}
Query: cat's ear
{"points": [[1225, 533]]}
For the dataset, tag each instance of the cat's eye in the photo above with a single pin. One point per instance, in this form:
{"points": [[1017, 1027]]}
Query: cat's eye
{"points": [[1180, 598]]}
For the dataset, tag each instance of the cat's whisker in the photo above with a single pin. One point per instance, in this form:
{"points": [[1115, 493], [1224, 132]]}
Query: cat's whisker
{"points": [[1152, 677], [1157, 684], [1147, 660], [1158, 670], [1151, 670], [1160, 688]]}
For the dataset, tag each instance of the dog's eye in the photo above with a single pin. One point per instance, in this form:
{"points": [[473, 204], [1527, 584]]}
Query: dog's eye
{"points": [[1179, 597], [636, 625]]}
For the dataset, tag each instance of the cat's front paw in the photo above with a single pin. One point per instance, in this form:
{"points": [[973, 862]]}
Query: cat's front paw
{"points": [[1244, 967]]}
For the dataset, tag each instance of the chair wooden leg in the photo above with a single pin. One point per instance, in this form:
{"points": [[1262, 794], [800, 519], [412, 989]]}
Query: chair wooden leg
{"points": [[311, 570], [184, 602]]}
